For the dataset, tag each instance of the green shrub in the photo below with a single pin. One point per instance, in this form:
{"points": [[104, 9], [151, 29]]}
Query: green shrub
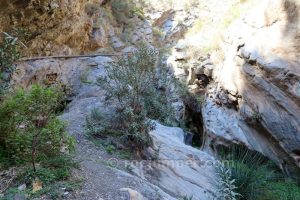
{"points": [[158, 32], [99, 127], [141, 91], [29, 129], [283, 190], [123, 10], [110, 149], [55, 176], [256, 116], [51, 170]]}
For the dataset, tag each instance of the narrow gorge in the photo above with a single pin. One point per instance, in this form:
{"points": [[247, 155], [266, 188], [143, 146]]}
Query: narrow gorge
{"points": [[162, 100]]}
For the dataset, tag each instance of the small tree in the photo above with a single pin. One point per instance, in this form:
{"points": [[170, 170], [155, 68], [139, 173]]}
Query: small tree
{"points": [[29, 129], [135, 82]]}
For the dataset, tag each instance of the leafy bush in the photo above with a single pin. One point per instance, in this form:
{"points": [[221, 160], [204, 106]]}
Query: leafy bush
{"points": [[141, 91], [29, 129]]}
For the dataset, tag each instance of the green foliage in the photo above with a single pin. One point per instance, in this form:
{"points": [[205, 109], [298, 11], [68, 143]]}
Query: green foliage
{"points": [[283, 190], [9, 52], [255, 178], [110, 149], [187, 198], [54, 191], [157, 32], [141, 91], [22, 33], [197, 27], [123, 10], [226, 184], [92, 8], [250, 172], [257, 116], [235, 11], [55, 175], [101, 132], [84, 77], [29, 129], [51, 170], [106, 13], [98, 126]]}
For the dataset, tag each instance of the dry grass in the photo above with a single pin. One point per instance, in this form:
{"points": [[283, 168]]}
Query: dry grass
{"points": [[205, 36], [196, 28]]}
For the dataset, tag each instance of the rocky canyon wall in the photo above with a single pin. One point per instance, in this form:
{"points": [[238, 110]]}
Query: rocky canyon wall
{"points": [[255, 96], [58, 27]]}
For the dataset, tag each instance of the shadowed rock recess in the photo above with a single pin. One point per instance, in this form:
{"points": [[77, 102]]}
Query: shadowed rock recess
{"points": [[238, 62]]}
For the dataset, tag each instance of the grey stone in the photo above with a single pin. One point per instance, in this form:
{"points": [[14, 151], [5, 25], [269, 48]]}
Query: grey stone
{"points": [[129, 49], [208, 70], [117, 43], [192, 170], [180, 55], [148, 31], [19, 196], [22, 187]]}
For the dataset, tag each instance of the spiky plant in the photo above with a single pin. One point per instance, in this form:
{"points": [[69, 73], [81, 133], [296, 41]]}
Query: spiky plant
{"points": [[227, 186], [251, 172]]}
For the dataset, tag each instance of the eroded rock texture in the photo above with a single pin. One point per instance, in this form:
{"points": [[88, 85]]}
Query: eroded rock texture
{"points": [[255, 99], [179, 169], [58, 27]]}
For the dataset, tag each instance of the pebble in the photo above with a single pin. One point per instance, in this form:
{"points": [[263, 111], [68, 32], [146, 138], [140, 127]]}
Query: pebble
{"points": [[22, 187], [66, 193]]}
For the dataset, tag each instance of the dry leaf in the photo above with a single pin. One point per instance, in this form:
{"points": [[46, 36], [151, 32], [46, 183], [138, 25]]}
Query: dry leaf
{"points": [[37, 185]]}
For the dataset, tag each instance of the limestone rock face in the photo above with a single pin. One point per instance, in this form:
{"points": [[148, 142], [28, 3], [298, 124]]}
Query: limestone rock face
{"points": [[70, 73], [57, 27], [257, 89], [180, 169]]}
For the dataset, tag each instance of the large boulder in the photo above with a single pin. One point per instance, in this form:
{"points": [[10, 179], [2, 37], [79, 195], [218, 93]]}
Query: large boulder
{"points": [[179, 169], [256, 98]]}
